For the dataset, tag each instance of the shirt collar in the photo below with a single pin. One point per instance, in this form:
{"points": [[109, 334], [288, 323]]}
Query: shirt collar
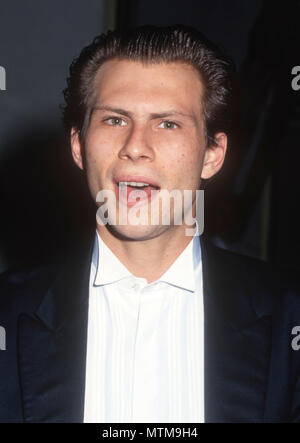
{"points": [[108, 269], [182, 273], [187, 267]]}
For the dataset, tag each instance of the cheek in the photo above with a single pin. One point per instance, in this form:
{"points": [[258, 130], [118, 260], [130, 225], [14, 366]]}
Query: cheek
{"points": [[99, 151], [186, 160]]}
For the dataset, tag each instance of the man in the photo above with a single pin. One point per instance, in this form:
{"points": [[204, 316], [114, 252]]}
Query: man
{"points": [[145, 322]]}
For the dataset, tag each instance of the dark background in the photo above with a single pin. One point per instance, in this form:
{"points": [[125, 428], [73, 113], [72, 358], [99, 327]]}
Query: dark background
{"points": [[252, 205]]}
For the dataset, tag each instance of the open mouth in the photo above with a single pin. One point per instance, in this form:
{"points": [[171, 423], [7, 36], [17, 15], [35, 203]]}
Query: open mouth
{"points": [[132, 192]]}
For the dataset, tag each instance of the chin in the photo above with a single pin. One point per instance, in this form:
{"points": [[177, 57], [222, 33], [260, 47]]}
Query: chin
{"points": [[136, 233]]}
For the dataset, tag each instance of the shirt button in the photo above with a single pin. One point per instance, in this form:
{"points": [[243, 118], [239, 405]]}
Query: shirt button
{"points": [[135, 287]]}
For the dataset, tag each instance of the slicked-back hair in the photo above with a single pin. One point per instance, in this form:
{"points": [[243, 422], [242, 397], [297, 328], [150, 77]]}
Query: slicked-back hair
{"points": [[151, 44]]}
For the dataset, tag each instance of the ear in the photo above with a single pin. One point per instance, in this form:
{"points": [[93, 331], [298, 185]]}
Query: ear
{"points": [[76, 147], [214, 156]]}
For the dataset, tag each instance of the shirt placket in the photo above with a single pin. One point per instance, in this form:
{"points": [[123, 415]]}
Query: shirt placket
{"points": [[144, 405]]}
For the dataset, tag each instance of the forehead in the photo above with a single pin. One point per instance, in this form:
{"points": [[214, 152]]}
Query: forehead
{"points": [[149, 86]]}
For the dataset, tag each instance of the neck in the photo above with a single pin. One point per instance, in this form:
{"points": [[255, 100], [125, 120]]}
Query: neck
{"points": [[149, 258]]}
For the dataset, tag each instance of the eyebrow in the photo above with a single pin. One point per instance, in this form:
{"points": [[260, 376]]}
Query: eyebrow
{"points": [[164, 114]]}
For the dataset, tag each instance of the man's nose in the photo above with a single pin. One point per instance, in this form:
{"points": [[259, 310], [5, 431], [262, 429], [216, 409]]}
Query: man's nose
{"points": [[137, 145]]}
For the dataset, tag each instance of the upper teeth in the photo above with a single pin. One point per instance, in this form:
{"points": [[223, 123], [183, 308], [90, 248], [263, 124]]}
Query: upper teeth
{"points": [[133, 184]]}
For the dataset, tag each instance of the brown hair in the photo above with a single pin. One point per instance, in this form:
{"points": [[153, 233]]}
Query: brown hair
{"points": [[150, 44]]}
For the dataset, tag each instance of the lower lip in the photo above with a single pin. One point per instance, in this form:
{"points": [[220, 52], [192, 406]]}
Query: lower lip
{"points": [[131, 197]]}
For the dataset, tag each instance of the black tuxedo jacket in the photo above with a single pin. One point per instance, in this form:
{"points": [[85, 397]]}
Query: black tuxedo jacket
{"points": [[252, 373]]}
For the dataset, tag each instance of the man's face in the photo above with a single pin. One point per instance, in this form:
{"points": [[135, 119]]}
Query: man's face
{"points": [[146, 126]]}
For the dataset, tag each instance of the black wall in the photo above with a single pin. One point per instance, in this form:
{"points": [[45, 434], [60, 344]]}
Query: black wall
{"points": [[252, 205], [40, 189]]}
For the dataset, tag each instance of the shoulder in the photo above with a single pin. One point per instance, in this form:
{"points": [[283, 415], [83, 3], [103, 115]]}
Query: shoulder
{"points": [[231, 264], [250, 266], [262, 280]]}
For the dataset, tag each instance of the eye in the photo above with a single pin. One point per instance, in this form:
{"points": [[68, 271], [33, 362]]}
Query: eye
{"points": [[167, 124], [115, 121]]}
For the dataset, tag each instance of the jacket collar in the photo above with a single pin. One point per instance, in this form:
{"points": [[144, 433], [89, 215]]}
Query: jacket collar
{"points": [[231, 289], [69, 291], [228, 288]]}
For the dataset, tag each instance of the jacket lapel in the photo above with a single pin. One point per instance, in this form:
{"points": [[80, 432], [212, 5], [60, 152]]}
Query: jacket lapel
{"points": [[237, 336], [52, 347]]}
